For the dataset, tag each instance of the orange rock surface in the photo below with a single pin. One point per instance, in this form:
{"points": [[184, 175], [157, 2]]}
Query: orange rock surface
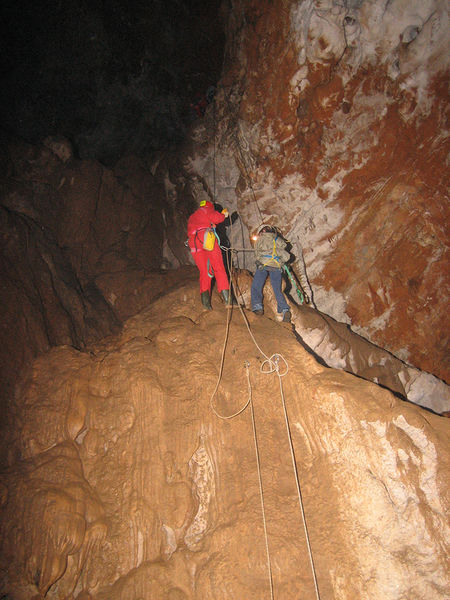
{"points": [[124, 483], [121, 479], [343, 129]]}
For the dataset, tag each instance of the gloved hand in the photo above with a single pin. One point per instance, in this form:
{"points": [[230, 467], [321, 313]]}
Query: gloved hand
{"points": [[225, 212]]}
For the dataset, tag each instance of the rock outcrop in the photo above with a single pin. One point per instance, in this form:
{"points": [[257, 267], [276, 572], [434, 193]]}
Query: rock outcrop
{"points": [[83, 247], [343, 150], [336, 345], [124, 483]]}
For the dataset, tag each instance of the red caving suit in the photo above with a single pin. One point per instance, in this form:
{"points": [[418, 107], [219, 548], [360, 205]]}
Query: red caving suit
{"points": [[204, 218]]}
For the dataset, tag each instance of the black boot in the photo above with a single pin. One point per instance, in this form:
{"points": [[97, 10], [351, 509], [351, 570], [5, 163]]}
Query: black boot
{"points": [[226, 296], [287, 316], [206, 301]]}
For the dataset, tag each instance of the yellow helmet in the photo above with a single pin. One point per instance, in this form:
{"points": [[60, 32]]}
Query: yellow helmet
{"points": [[206, 203]]}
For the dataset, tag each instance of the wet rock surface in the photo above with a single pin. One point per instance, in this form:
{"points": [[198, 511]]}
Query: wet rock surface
{"points": [[119, 479], [336, 116], [123, 483]]}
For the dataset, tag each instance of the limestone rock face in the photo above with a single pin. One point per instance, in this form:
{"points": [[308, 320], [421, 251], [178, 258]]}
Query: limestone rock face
{"points": [[121, 476], [123, 482], [336, 117], [329, 122], [83, 247]]}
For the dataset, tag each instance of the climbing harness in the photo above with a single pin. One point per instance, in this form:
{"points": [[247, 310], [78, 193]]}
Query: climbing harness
{"points": [[209, 239], [302, 296], [274, 256], [273, 364]]}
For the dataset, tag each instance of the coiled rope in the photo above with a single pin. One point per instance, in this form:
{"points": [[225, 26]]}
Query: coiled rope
{"points": [[269, 365]]}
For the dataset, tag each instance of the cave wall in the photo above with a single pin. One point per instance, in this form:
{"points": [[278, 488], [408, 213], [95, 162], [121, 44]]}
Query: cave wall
{"points": [[335, 117], [87, 247], [329, 122], [120, 481], [82, 248]]}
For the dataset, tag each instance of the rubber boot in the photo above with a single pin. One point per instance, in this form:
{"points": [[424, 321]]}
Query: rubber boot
{"points": [[226, 296], [206, 301], [287, 316]]}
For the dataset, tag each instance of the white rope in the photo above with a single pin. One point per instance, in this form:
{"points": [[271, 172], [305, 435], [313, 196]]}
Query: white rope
{"points": [[249, 401], [275, 362], [269, 365], [237, 249], [266, 538], [238, 412], [227, 330]]}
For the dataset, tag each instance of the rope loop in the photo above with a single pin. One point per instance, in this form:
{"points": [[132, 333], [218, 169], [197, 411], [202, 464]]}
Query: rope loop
{"points": [[272, 365]]}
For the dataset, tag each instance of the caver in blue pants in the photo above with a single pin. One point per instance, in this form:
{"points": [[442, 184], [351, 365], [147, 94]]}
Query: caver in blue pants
{"points": [[257, 287]]}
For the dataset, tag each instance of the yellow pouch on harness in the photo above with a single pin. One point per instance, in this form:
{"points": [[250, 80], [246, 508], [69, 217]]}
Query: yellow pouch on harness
{"points": [[209, 240]]}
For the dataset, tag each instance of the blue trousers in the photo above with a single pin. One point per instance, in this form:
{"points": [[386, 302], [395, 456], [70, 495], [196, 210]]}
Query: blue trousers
{"points": [[258, 282]]}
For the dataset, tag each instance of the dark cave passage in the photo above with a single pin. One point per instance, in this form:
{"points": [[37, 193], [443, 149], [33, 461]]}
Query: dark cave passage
{"points": [[115, 78]]}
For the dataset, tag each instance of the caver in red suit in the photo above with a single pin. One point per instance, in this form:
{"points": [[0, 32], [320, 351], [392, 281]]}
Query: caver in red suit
{"points": [[207, 261]]}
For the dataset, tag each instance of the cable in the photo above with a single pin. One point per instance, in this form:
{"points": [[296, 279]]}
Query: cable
{"points": [[222, 359], [214, 149], [214, 172], [225, 417], [269, 365]]}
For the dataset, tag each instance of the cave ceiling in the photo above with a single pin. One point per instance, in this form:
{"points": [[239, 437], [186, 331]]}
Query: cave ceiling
{"points": [[113, 77]]}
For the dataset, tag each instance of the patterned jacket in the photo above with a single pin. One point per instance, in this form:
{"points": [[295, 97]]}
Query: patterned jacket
{"points": [[270, 251]]}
